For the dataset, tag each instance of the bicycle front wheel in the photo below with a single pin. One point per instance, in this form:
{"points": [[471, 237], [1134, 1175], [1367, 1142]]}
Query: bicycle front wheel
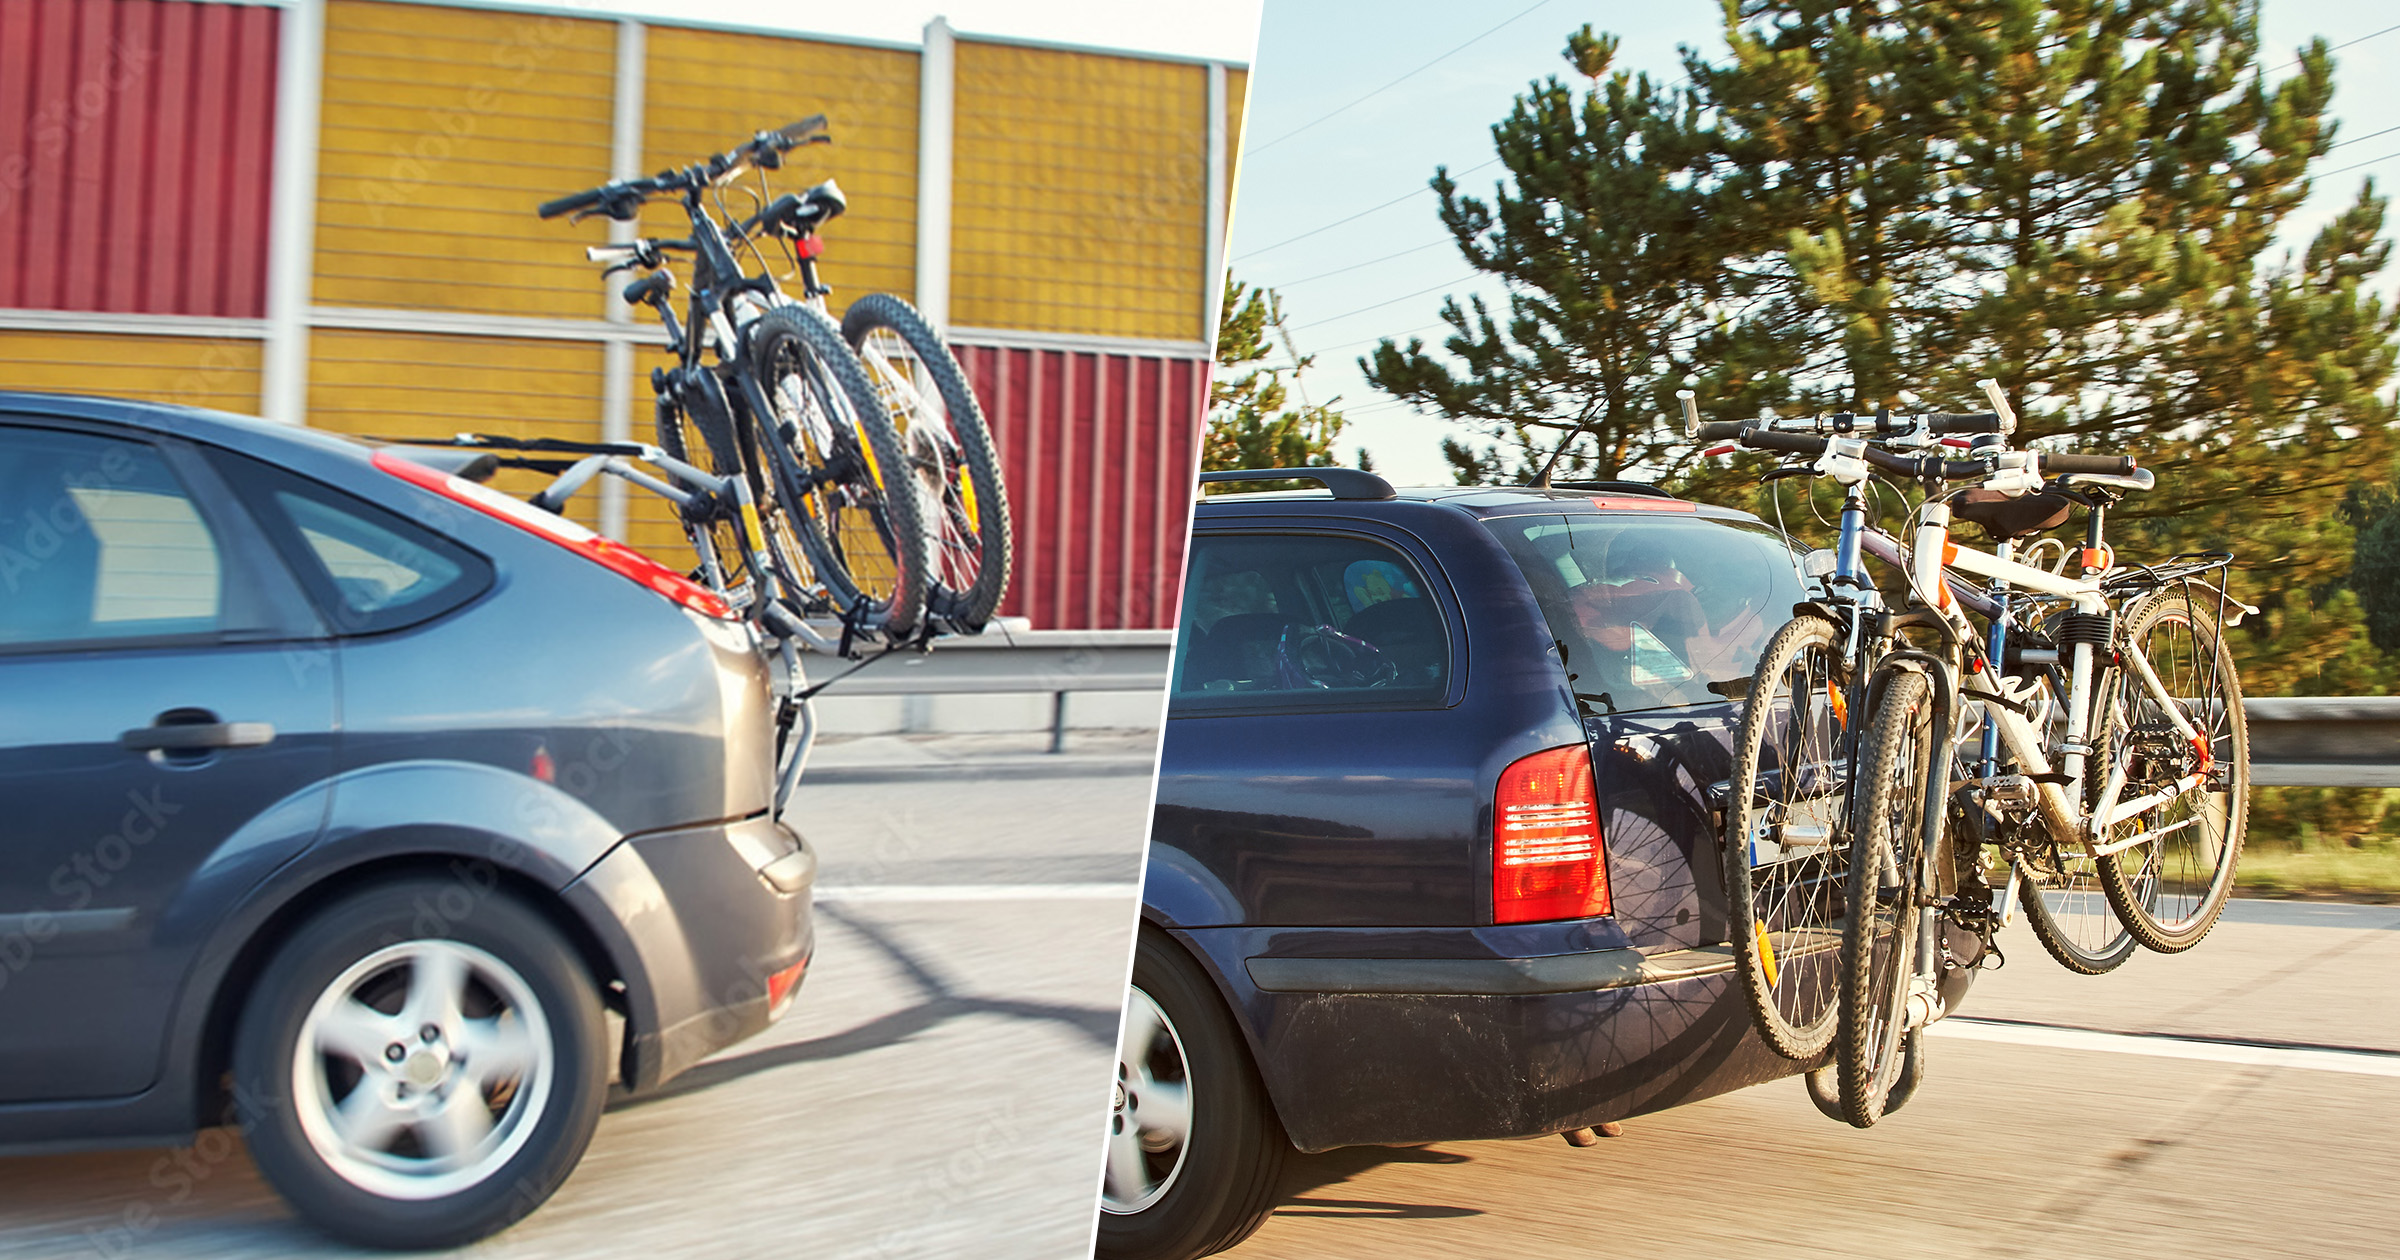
{"points": [[1786, 842], [1879, 938], [942, 428], [842, 472], [2169, 886]]}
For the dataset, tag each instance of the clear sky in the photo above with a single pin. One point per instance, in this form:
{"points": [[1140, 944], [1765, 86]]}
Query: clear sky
{"points": [[1218, 29], [1325, 149]]}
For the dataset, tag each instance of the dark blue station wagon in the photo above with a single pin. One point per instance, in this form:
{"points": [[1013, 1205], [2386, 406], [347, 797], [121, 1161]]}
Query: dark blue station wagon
{"points": [[1434, 851]]}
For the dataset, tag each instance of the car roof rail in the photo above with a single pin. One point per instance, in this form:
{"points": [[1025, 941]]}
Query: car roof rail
{"points": [[1345, 483], [1615, 487]]}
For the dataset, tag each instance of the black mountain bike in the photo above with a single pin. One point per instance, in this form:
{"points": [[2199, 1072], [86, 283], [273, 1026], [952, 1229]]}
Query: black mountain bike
{"points": [[840, 519]]}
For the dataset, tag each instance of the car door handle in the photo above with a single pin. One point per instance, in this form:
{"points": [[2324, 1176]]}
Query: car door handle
{"points": [[197, 737]]}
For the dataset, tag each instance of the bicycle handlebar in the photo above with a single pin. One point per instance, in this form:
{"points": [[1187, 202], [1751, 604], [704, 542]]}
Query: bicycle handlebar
{"points": [[1926, 466], [620, 198], [573, 201], [1845, 425]]}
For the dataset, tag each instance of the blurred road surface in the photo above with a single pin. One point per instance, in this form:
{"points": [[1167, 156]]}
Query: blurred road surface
{"points": [[2046, 1150], [940, 1088]]}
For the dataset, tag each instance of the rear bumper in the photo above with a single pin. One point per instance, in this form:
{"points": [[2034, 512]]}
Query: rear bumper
{"points": [[705, 925], [1358, 1049]]}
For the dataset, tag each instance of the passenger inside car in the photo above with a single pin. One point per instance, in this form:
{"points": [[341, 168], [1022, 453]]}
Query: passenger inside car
{"points": [[1652, 613]]}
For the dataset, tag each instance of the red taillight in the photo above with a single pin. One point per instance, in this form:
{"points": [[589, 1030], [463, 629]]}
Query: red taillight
{"points": [[608, 553], [781, 984], [1547, 859]]}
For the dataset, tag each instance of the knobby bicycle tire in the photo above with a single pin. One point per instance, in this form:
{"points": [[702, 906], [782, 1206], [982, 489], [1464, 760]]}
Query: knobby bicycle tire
{"points": [[1785, 913], [952, 451], [2152, 886], [2059, 884], [676, 425], [833, 448], [1880, 936]]}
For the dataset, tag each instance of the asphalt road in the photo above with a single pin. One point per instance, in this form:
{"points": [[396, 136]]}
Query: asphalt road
{"points": [[940, 1087], [2025, 1141]]}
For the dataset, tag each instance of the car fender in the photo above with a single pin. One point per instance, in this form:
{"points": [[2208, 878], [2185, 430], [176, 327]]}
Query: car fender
{"points": [[1178, 891], [479, 825]]}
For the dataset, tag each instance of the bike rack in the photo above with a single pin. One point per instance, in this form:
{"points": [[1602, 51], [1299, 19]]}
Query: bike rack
{"points": [[782, 635]]}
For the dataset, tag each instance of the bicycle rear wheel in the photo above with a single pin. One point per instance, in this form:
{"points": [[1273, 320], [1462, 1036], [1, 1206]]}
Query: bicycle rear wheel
{"points": [[1879, 938], [838, 469], [2069, 913], [1786, 842], [942, 427], [2169, 888]]}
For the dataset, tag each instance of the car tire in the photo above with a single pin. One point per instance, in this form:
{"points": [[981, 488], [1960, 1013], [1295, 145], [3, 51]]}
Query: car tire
{"points": [[1217, 1183], [482, 1103]]}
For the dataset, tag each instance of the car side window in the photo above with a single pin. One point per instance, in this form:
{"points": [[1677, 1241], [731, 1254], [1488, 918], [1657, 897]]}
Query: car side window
{"points": [[1293, 620], [100, 542], [369, 570]]}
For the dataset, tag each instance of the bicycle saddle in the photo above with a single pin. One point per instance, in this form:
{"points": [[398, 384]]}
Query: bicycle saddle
{"points": [[823, 202], [2004, 516], [2138, 479]]}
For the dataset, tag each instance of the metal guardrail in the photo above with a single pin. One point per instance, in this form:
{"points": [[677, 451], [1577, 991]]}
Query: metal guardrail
{"points": [[2324, 741], [1010, 660], [2306, 741]]}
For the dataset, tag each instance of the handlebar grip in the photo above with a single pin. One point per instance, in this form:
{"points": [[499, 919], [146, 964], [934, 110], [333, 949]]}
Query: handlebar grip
{"points": [[802, 131], [1965, 422], [571, 202], [2107, 465], [1796, 443], [1719, 430]]}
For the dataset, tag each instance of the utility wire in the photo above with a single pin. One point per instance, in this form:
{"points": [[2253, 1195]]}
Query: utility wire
{"points": [[1413, 249], [1396, 82], [1419, 189], [2348, 42], [1375, 306], [2357, 166], [2355, 139]]}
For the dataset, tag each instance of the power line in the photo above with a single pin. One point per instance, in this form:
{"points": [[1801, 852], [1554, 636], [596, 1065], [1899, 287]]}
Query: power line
{"points": [[2360, 40], [1413, 249], [1331, 319], [1397, 82], [2355, 139], [1421, 188], [2357, 166]]}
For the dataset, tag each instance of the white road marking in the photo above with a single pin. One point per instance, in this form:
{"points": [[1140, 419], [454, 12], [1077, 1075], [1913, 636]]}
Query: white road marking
{"points": [[981, 892], [2308, 1058]]}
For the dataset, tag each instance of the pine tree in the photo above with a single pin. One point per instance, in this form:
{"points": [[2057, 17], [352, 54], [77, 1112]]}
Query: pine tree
{"points": [[1610, 268], [1860, 203], [1249, 426]]}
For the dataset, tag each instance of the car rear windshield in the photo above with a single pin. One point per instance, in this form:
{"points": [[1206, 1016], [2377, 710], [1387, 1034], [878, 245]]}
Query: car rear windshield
{"points": [[1651, 611]]}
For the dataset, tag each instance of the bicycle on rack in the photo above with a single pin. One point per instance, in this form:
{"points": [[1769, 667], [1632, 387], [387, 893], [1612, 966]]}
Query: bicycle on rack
{"points": [[1786, 843], [925, 390], [2162, 744], [786, 405]]}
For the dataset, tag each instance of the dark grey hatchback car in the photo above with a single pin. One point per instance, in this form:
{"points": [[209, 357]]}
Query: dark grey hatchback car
{"points": [[365, 809]]}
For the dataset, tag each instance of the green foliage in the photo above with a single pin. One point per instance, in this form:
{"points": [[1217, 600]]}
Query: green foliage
{"points": [[1249, 426], [1873, 204], [2375, 563]]}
